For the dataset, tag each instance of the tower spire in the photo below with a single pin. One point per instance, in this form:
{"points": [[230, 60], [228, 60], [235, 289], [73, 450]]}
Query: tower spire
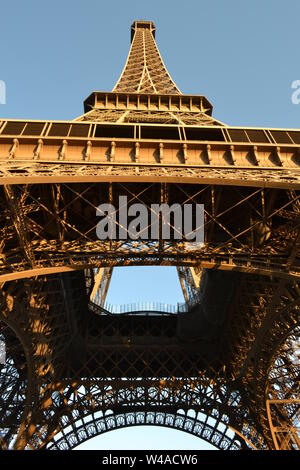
{"points": [[145, 71]]}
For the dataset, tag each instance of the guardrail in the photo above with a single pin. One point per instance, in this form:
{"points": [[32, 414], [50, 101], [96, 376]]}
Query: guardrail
{"points": [[139, 308]]}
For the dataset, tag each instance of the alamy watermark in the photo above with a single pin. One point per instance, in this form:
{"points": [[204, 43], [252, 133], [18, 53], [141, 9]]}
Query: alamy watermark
{"points": [[296, 94], [2, 92], [154, 222], [2, 352]]}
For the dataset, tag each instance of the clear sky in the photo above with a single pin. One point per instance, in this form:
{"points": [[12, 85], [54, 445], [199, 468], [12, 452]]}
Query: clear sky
{"points": [[242, 55]]}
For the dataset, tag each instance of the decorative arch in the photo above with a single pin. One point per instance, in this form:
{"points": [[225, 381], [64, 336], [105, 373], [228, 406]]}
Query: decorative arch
{"points": [[220, 435]]}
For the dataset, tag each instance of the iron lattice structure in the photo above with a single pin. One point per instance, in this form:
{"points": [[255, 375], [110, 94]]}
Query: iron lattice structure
{"points": [[225, 365]]}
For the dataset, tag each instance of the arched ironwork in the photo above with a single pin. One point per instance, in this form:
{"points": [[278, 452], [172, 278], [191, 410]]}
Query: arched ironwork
{"points": [[221, 437]]}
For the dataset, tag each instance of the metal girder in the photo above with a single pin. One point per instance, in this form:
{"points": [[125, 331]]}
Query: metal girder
{"points": [[123, 159], [286, 436], [62, 227], [17, 217], [190, 281], [102, 277]]}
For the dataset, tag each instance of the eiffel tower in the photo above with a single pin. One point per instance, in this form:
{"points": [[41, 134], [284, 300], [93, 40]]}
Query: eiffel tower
{"points": [[224, 366]]}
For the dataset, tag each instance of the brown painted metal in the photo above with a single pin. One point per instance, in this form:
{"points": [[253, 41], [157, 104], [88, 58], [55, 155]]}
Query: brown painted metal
{"points": [[221, 366]]}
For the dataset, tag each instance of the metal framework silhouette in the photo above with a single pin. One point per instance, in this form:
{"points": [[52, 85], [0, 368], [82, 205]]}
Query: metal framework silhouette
{"points": [[225, 365]]}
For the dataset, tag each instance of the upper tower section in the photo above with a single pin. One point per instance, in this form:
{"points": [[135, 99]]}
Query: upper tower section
{"points": [[145, 71], [145, 92]]}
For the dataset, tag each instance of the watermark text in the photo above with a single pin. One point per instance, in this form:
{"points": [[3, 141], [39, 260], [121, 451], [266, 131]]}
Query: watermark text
{"points": [[154, 222]]}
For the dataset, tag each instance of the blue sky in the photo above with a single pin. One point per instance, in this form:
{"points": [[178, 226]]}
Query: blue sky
{"points": [[242, 55]]}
